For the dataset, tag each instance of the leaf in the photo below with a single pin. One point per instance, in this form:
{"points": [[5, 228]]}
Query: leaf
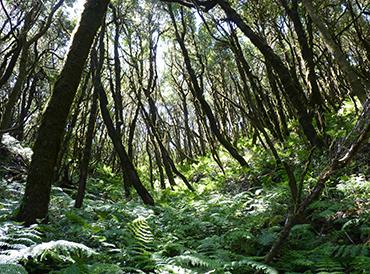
{"points": [[12, 269]]}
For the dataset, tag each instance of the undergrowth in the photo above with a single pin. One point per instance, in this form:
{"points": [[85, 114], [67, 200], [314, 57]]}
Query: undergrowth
{"points": [[226, 226]]}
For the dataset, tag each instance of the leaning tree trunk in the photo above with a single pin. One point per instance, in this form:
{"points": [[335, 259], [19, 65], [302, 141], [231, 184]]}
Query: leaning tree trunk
{"points": [[130, 175], [16, 91], [37, 194], [292, 88], [198, 93], [347, 150], [358, 87], [307, 53], [23, 64]]}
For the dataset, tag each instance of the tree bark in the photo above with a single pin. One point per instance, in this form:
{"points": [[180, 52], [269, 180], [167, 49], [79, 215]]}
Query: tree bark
{"points": [[34, 205], [24, 56], [84, 165], [352, 143], [292, 88], [307, 53]]}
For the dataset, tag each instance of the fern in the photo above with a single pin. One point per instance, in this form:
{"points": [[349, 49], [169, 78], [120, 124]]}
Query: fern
{"points": [[196, 260], [9, 196], [59, 251], [220, 266], [351, 251], [167, 269], [268, 236], [141, 231], [142, 247], [12, 269], [210, 232], [360, 264], [15, 237], [251, 263], [96, 268], [328, 258], [327, 264]]}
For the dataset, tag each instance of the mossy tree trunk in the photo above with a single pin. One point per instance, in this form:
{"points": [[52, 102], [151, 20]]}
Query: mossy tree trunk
{"points": [[36, 199]]}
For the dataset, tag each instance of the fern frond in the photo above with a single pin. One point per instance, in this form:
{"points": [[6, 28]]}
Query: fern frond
{"points": [[329, 265], [12, 269], [141, 231], [142, 246], [61, 250], [15, 237], [196, 260], [253, 264], [171, 269], [350, 251], [360, 264]]}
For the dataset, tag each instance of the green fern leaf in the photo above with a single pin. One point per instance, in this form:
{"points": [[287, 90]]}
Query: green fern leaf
{"points": [[350, 251], [61, 250], [12, 269], [253, 264]]}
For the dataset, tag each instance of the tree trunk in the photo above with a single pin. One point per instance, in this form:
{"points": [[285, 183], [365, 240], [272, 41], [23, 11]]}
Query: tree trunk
{"points": [[198, 93], [306, 51], [22, 76], [11, 65], [130, 175], [292, 88], [358, 87], [36, 199], [84, 165], [352, 143], [6, 118], [129, 172]]}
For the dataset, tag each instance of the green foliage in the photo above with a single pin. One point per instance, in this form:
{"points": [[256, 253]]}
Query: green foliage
{"points": [[15, 237], [226, 226], [9, 193], [328, 257], [96, 268], [350, 251], [54, 252], [340, 123], [12, 269], [105, 178], [141, 249]]}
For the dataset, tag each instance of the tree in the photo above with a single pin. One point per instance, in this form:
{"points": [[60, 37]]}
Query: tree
{"points": [[130, 175], [24, 43], [36, 199], [359, 87], [198, 93]]}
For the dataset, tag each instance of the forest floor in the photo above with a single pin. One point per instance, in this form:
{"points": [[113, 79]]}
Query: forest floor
{"points": [[226, 226]]}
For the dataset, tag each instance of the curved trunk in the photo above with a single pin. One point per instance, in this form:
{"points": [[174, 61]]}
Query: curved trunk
{"points": [[6, 118], [130, 175]]}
